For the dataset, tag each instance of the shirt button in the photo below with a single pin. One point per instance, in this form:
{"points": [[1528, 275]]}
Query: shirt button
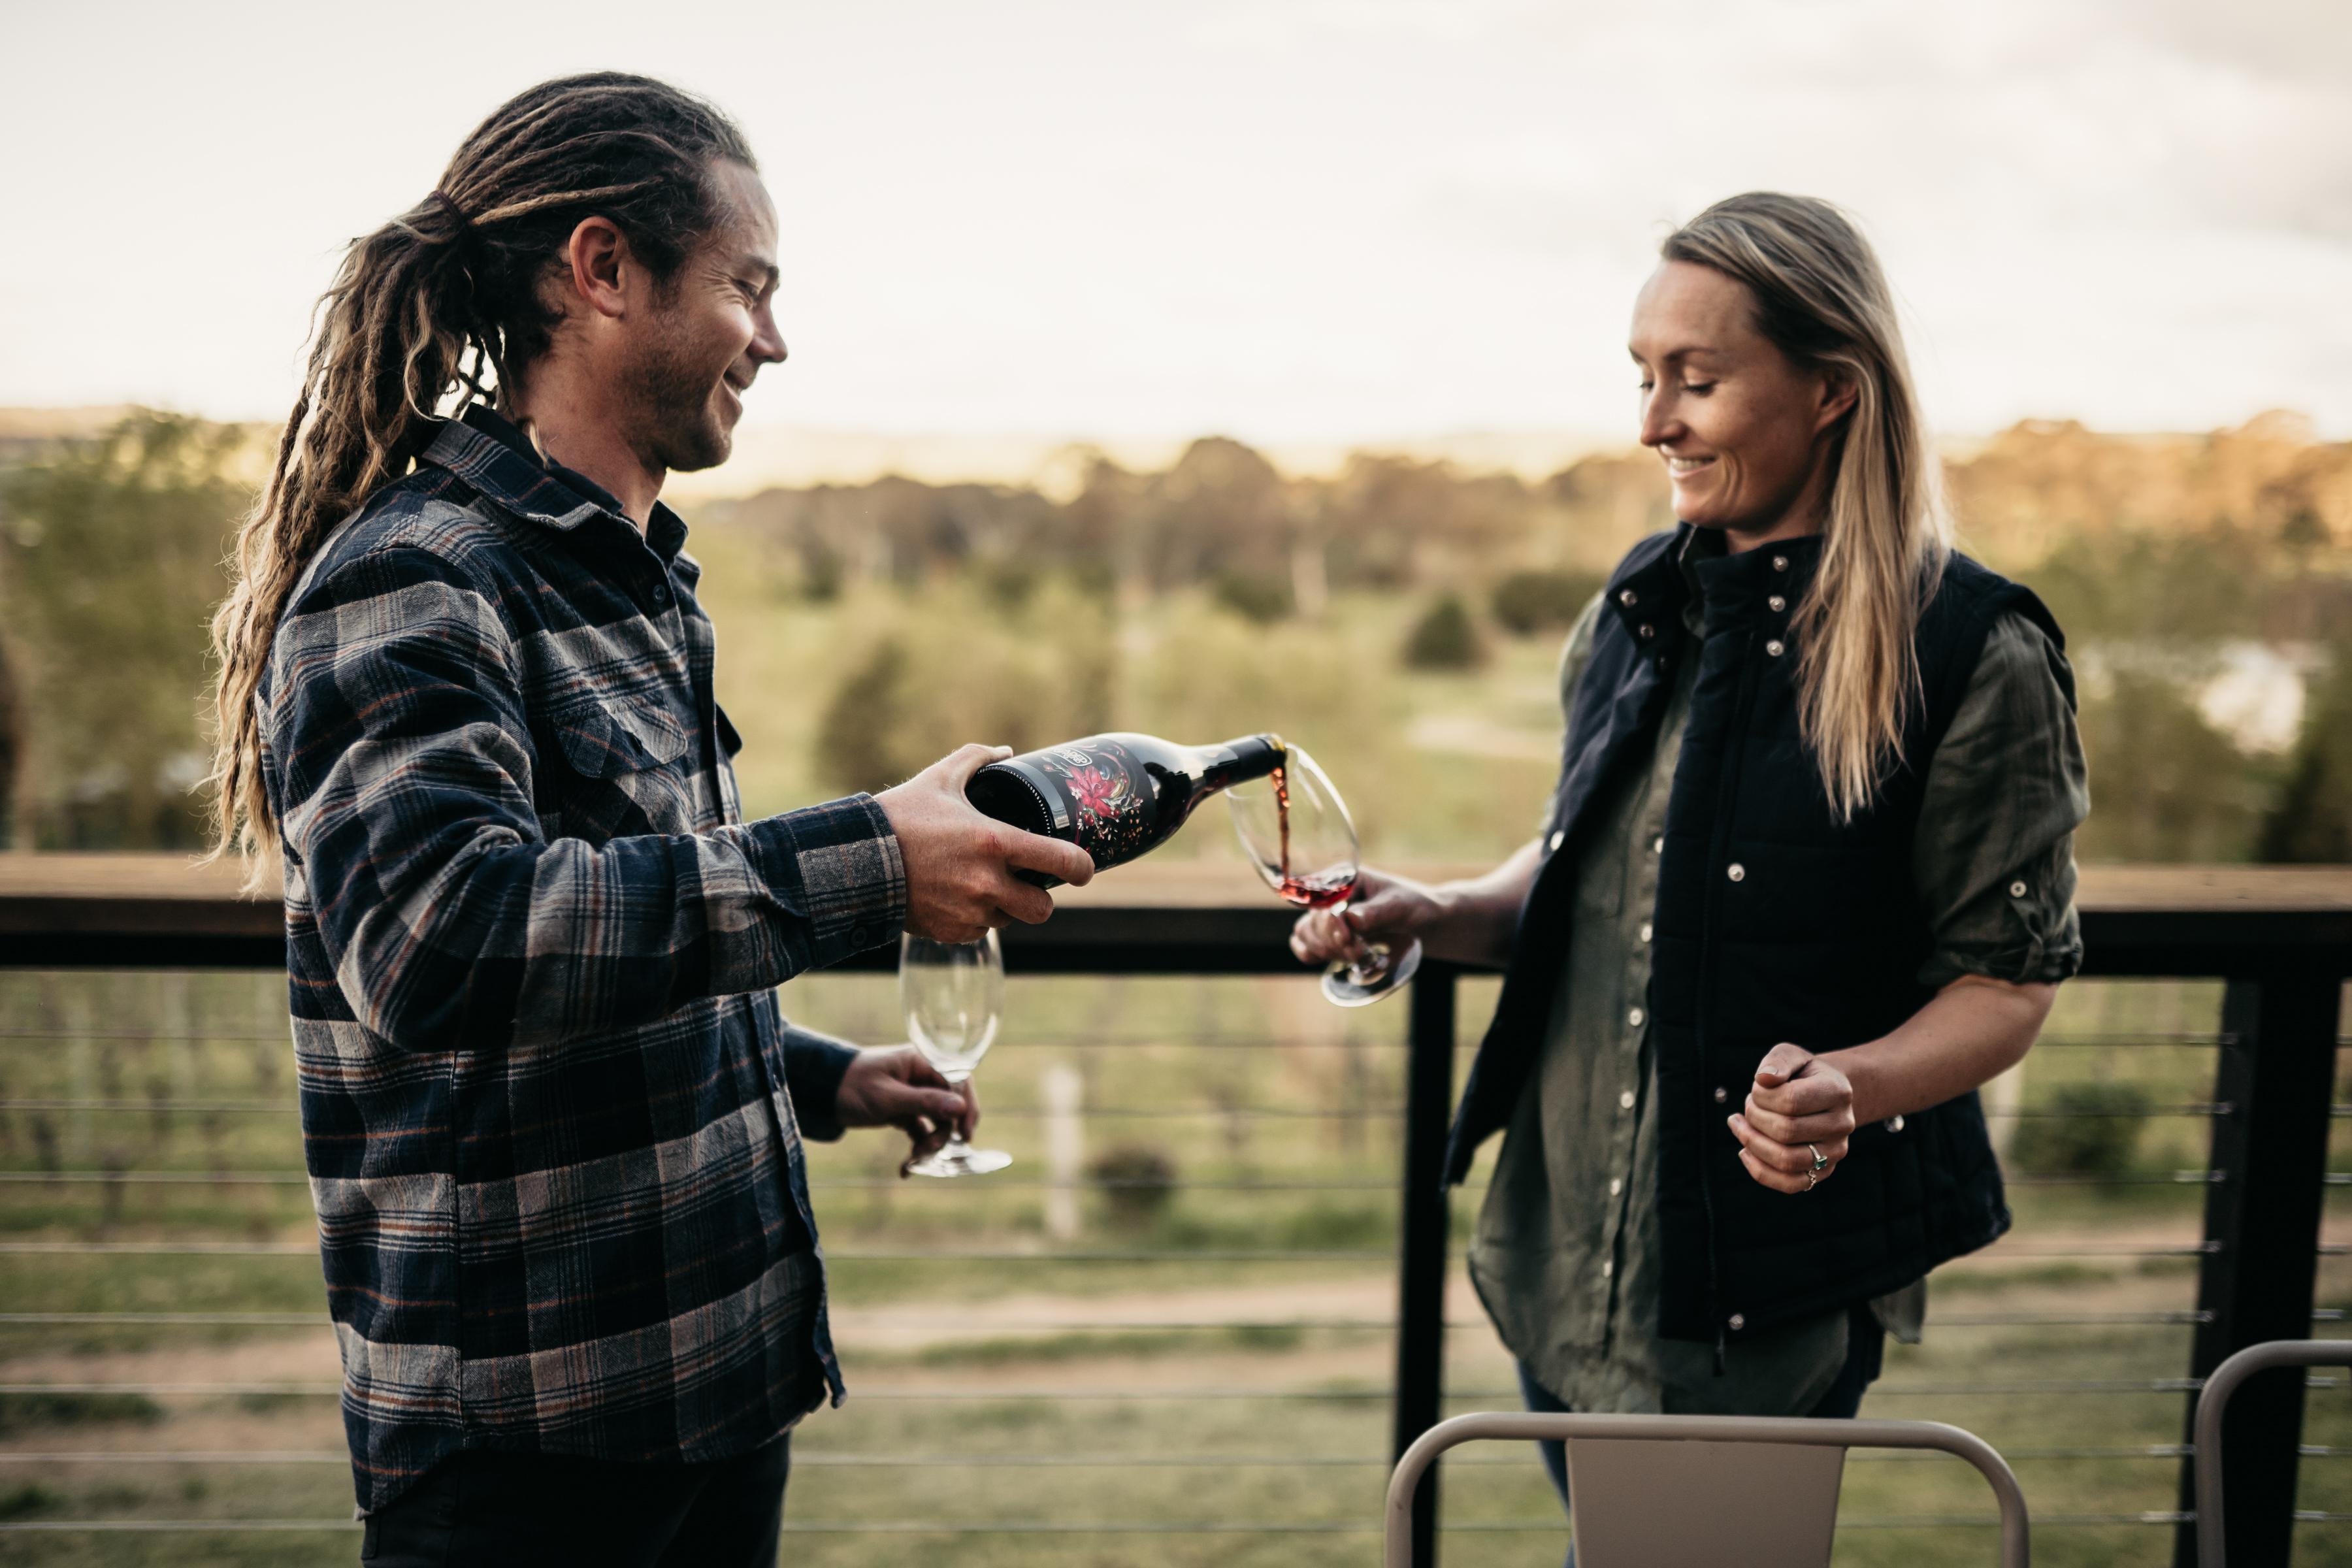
{"points": [[1608, 1266], [1629, 598], [661, 594], [1779, 563], [1739, 1321], [1721, 1095], [1658, 845], [1645, 931], [1557, 836], [857, 935], [1635, 1017], [1738, 872], [2017, 889], [1625, 1100], [1615, 1186], [1776, 647], [1777, 602]]}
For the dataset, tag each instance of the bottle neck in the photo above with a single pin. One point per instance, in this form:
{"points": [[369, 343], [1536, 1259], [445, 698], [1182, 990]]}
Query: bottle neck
{"points": [[1237, 762]]}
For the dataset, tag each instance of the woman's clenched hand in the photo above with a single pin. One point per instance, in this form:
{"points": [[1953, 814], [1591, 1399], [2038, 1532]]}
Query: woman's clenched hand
{"points": [[1798, 1104]]}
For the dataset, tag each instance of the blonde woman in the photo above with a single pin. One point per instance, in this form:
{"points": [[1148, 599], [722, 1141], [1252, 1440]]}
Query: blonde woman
{"points": [[1806, 881]]}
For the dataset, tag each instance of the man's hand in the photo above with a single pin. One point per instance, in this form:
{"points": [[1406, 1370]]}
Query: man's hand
{"points": [[1384, 909], [893, 1086], [1799, 1102], [960, 882]]}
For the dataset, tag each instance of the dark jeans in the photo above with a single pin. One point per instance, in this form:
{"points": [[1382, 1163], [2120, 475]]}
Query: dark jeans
{"points": [[1865, 1348], [522, 1511]]}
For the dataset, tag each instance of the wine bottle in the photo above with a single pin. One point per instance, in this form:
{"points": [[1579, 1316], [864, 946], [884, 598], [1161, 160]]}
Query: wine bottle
{"points": [[1115, 796]]}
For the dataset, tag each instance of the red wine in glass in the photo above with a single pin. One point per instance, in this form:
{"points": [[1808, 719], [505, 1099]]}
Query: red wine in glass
{"points": [[1295, 830]]}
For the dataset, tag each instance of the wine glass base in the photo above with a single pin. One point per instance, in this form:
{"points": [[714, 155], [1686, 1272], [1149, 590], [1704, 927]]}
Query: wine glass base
{"points": [[1346, 987], [963, 1160]]}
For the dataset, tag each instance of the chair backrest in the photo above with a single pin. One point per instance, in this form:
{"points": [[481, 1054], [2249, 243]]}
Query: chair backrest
{"points": [[2213, 1402], [1697, 1491]]}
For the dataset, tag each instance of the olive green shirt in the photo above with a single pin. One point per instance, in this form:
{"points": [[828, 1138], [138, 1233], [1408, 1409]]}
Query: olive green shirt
{"points": [[1565, 1252]]}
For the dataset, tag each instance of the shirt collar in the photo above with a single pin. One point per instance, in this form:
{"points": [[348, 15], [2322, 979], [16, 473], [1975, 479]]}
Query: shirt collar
{"points": [[490, 452]]}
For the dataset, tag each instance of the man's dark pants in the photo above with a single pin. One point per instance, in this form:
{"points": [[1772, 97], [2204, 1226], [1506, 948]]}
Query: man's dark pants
{"points": [[522, 1510]]}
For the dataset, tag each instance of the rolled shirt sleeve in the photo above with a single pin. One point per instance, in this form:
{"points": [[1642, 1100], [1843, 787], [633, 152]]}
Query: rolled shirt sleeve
{"points": [[1994, 855]]}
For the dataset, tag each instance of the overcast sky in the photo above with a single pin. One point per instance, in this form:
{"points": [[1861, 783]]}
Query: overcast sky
{"points": [[1286, 220]]}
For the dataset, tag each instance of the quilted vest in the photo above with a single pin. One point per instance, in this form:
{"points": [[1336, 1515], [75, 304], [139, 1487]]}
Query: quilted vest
{"points": [[1774, 921]]}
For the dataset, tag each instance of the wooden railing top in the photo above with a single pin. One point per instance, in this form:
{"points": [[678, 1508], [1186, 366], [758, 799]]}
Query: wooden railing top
{"points": [[1200, 915]]}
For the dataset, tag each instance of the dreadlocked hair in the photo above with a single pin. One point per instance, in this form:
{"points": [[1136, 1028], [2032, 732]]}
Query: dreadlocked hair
{"points": [[462, 272]]}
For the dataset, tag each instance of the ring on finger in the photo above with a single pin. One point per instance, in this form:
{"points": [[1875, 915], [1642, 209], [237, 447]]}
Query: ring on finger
{"points": [[1820, 1164], [1812, 1180]]}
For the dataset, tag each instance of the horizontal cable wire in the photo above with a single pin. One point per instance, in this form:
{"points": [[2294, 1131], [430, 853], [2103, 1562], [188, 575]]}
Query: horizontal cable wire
{"points": [[1186, 1527], [859, 1460], [240, 1319], [1151, 1114], [1094, 1183]]}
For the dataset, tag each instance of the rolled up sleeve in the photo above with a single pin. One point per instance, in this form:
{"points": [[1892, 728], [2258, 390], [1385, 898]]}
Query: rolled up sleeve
{"points": [[1994, 855]]}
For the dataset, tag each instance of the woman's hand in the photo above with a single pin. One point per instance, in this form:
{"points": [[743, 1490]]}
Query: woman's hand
{"points": [[1798, 1104], [893, 1086], [1387, 909]]}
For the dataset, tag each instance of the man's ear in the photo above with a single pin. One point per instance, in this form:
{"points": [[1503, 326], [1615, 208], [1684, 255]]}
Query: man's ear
{"points": [[604, 272]]}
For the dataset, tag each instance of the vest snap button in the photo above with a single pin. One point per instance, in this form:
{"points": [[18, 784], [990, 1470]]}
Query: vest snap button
{"points": [[1635, 1017], [1738, 873], [1556, 838], [1649, 631], [1645, 931], [1776, 647], [1738, 1321], [1721, 1094], [1629, 598], [1779, 563], [1625, 1100], [1778, 603], [2017, 889], [1894, 1124]]}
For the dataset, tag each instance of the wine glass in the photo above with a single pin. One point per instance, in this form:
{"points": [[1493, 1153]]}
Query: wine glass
{"points": [[952, 992], [1295, 830]]}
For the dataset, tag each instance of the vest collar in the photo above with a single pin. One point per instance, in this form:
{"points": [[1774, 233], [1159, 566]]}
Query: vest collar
{"points": [[1738, 590]]}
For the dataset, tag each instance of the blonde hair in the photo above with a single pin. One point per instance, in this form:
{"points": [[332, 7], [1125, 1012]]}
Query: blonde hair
{"points": [[1822, 300]]}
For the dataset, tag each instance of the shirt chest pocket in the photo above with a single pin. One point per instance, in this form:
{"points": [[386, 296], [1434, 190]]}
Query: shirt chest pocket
{"points": [[624, 772]]}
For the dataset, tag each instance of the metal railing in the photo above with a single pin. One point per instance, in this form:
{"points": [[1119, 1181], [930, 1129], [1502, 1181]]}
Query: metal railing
{"points": [[2280, 939]]}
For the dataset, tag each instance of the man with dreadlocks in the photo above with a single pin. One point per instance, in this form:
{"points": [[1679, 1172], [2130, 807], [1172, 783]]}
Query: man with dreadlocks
{"points": [[551, 1112]]}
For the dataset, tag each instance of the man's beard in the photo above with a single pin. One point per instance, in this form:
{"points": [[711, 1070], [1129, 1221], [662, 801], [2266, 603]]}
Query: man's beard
{"points": [[679, 430]]}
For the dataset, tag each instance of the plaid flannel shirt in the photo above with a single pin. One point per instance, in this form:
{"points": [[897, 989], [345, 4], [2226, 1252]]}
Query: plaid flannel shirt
{"points": [[548, 1095]]}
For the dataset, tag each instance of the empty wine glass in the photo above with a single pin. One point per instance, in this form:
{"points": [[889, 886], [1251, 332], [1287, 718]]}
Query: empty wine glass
{"points": [[1295, 829], [952, 992]]}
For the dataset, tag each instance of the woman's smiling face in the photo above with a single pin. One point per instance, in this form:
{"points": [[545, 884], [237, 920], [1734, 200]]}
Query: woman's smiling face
{"points": [[1746, 433]]}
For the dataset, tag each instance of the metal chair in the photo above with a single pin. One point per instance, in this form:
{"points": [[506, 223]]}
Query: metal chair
{"points": [[2215, 1401], [1697, 1491]]}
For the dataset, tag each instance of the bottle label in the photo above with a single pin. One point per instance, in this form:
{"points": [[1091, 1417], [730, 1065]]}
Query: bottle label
{"points": [[1115, 804]]}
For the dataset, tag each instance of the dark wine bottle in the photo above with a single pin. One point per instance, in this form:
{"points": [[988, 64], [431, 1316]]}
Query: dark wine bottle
{"points": [[1115, 796]]}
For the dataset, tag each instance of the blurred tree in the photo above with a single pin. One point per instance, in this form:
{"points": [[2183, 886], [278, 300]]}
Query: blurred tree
{"points": [[2165, 783], [12, 748], [1253, 595], [1444, 638], [963, 661], [2313, 819], [1531, 602], [113, 554]]}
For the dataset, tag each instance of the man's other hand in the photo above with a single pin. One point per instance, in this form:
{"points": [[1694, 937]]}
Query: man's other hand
{"points": [[893, 1086], [960, 864]]}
